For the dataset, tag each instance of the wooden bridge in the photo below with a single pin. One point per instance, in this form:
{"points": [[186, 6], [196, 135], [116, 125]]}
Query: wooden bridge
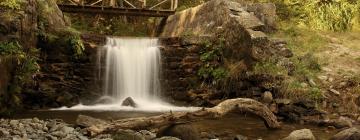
{"points": [[154, 8]]}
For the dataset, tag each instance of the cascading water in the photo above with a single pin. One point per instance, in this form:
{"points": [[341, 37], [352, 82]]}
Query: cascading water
{"points": [[132, 69]]}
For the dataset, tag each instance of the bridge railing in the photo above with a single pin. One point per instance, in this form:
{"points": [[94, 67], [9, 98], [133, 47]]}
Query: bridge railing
{"points": [[138, 4]]}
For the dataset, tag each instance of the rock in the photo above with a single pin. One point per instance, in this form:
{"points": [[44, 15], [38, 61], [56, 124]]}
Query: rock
{"points": [[67, 129], [240, 137], [14, 123], [266, 12], [347, 134], [35, 120], [50, 137], [282, 101], [334, 91], [87, 121], [182, 131], [129, 102], [51, 125], [147, 134], [343, 122], [167, 138], [303, 134], [127, 135], [206, 135], [59, 134], [267, 97], [4, 132]]}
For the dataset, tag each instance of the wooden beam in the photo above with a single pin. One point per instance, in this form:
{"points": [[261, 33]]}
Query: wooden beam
{"points": [[175, 5], [172, 5], [129, 4], [96, 2], [74, 2], [112, 3], [158, 4]]}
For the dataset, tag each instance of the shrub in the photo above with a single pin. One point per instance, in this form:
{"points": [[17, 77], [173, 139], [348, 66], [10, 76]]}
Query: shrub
{"points": [[77, 46], [10, 48], [211, 56], [11, 4], [333, 15]]}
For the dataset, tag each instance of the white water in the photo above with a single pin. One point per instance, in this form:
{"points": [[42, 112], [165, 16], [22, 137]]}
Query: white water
{"points": [[132, 70]]}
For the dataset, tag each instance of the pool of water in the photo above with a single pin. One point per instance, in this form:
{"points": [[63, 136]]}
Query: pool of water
{"points": [[226, 127]]}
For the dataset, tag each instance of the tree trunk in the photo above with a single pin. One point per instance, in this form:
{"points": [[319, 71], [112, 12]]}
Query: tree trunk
{"points": [[141, 123]]}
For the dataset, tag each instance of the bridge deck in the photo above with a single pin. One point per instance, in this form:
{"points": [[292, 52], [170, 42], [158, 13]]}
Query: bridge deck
{"points": [[114, 10]]}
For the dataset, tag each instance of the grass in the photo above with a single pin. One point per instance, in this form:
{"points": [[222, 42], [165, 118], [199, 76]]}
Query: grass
{"points": [[304, 43]]}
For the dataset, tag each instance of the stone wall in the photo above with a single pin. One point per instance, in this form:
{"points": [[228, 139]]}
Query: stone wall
{"points": [[64, 80], [180, 63]]}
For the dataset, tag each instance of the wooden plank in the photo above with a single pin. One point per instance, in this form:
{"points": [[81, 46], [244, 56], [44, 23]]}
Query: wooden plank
{"points": [[117, 11], [96, 2], [129, 4], [158, 4], [175, 5]]}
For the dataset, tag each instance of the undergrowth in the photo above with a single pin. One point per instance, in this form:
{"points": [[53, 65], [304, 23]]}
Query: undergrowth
{"points": [[211, 57], [332, 15], [25, 63], [11, 4]]}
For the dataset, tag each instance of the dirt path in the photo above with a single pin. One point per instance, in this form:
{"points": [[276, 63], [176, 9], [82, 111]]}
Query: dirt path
{"points": [[342, 55]]}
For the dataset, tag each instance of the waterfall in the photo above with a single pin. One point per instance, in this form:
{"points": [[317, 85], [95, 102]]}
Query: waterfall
{"points": [[132, 69]]}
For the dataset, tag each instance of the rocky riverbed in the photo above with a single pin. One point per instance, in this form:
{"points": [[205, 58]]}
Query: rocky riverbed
{"points": [[55, 129], [229, 128]]}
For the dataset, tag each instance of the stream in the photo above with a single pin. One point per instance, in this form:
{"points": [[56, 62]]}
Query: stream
{"points": [[225, 128]]}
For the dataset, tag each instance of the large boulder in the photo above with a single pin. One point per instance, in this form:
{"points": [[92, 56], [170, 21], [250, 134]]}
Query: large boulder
{"points": [[33, 16], [347, 134], [182, 131], [242, 25], [303, 134]]}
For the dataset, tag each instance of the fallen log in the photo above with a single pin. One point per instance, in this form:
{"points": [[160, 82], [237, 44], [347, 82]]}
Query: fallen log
{"points": [[225, 107]]}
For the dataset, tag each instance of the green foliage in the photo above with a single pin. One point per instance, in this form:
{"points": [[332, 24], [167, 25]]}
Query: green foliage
{"points": [[11, 4], [269, 67], [68, 38], [295, 89], [211, 56], [25, 62], [117, 26], [307, 66], [212, 73], [332, 15], [10, 48], [76, 46]]}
